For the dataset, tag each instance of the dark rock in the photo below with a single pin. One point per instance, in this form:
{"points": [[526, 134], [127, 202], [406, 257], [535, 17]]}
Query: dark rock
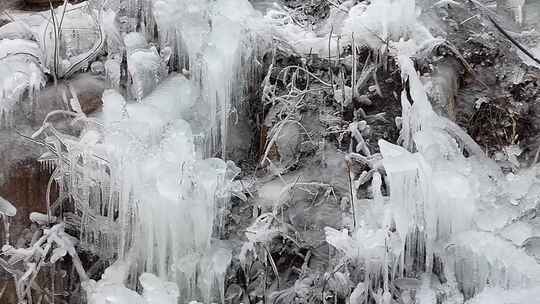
{"points": [[89, 90], [26, 189]]}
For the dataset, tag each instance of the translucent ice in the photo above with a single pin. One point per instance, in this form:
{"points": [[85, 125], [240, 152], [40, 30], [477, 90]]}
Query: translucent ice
{"points": [[6, 208], [144, 65], [383, 20], [480, 258], [164, 193], [21, 60], [501, 296], [155, 291]]}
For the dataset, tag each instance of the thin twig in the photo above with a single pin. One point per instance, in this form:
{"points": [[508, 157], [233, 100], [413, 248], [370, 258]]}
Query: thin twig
{"points": [[536, 156], [467, 66], [329, 61], [306, 71], [55, 54], [353, 73], [337, 6], [517, 44], [351, 192]]}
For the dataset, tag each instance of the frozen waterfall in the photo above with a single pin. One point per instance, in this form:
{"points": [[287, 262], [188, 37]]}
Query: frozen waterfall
{"points": [[140, 172]]}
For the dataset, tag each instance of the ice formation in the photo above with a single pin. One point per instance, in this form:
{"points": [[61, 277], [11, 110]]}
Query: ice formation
{"points": [[149, 196], [144, 65], [146, 193], [111, 289], [160, 192], [440, 202], [211, 40]]}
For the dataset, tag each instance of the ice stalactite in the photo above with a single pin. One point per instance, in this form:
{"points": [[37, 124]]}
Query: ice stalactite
{"points": [[433, 190], [161, 194], [437, 196], [214, 42], [217, 44]]}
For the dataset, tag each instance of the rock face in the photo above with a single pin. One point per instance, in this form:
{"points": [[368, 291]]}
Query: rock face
{"points": [[26, 187], [39, 4], [24, 184]]}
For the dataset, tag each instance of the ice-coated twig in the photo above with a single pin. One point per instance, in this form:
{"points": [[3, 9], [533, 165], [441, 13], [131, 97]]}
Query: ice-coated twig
{"points": [[286, 69], [372, 161], [274, 133]]}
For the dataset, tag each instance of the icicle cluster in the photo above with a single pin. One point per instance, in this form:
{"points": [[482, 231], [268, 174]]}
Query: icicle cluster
{"points": [[144, 191], [442, 206]]}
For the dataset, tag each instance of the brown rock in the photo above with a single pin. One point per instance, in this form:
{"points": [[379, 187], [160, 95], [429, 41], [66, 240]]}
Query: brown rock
{"points": [[26, 189], [89, 90]]}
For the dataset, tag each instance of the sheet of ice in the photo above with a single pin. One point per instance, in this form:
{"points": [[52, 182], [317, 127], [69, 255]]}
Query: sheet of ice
{"points": [[436, 192], [426, 294], [114, 294], [114, 106], [432, 188], [479, 258], [155, 291], [113, 37], [519, 232], [371, 242], [113, 71], [412, 195], [16, 30], [384, 20]]}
